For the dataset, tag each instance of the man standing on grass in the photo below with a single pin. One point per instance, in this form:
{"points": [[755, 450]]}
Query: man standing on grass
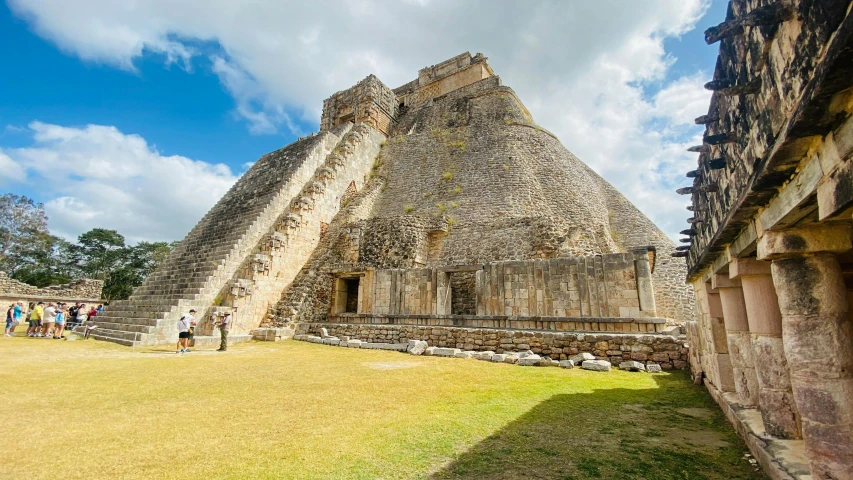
{"points": [[35, 320], [184, 325], [224, 325]]}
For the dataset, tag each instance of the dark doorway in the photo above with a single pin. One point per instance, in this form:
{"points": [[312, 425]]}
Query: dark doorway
{"points": [[352, 295]]}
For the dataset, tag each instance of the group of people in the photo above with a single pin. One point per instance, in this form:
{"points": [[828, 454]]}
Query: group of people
{"points": [[186, 328], [49, 320]]}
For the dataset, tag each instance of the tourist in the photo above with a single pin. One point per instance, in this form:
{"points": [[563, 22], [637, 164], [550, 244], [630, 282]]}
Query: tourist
{"points": [[72, 315], [92, 313], [81, 314], [13, 318], [100, 308], [48, 319], [224, 326], [184, 325], [59, 329], [36, 316]]}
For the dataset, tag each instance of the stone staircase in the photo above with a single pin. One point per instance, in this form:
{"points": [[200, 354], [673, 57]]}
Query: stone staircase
{"points": [[204, 268]]}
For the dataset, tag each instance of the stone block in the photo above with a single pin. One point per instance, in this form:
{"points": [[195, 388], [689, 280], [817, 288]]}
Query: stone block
{"points": [[465, 354], [430, 351], [511, 358], [498, 357], [653, 368], [324, 332], [596, 365], [446, 352], [529, 360], [525, 353], [354, 343], [417, 347], [581, 357], [548, 362], [487, 355], [567, 364], [632, 366]]}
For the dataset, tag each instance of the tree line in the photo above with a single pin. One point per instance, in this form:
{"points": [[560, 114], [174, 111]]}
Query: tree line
{"points": [[30, 254]]}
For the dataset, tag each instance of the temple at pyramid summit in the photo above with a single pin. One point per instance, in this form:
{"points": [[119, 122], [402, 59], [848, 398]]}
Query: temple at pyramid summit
{"points": [[439, 204]]}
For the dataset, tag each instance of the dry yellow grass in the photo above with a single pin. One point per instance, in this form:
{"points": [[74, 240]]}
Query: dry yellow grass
{"points": [[298, 410]]}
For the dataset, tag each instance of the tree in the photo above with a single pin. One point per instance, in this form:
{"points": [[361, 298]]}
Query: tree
{"points": [[136, 263], [48, 263], [23, 232], [99, 252]]}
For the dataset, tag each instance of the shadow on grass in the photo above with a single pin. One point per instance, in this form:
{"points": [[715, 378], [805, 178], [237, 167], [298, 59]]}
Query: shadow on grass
{"points": [[674, 431]]}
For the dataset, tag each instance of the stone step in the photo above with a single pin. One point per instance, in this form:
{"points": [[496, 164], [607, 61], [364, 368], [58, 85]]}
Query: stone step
{"points": [[124, 327], [113, 336], [124, 320], [215, 340], [134, 313]]}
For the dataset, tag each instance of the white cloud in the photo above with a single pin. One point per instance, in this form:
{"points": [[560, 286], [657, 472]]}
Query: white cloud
{"points": [[10, 171], [97, 176], [584, 69]]}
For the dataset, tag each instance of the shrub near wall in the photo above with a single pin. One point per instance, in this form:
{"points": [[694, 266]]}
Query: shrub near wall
{"points": [[667, 351]]}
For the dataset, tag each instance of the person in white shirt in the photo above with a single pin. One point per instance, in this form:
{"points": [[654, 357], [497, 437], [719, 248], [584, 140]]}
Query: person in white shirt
{"points": [[184, 325], [49, 319]]}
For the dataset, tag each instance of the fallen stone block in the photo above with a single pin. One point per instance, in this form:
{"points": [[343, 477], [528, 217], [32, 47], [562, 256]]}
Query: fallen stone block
{"points": [[567, 364], [581, 357], [548, 362], [487, 355], [324, 332], [331, 341], [313, 339], [446, 352], [417, 347], [653, 368], [399, 347], [430, 351], [465, 354], [632, 366], [498, 357], [526, 353], [354, 343], [529, 360], [596, 365], [299, 337], [511, 358]]}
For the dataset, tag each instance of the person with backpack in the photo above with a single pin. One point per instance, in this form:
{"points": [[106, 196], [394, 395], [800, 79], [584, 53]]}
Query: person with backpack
{"points": [[184, 325]]}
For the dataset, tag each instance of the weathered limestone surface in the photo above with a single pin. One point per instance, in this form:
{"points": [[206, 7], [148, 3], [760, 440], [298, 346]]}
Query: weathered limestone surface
{"points": [[775, 184], [12, 290], [468, 178], [669, 352], [277, 206]]}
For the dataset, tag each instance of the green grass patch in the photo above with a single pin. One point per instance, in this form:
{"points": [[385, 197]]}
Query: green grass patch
{"points": [[294, 410]]}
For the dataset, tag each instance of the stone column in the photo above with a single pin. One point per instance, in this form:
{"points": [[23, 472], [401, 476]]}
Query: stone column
{"points": [[718, 367], [645, 289], [818, 339], [775, 397], [739, 341]]}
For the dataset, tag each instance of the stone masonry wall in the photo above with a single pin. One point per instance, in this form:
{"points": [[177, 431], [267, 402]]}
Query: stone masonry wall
{"points": [[296, 234], [77, 290], [667, 351]]}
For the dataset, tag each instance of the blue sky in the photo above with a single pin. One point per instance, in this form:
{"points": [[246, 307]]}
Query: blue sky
{"points": [[138, 118]]}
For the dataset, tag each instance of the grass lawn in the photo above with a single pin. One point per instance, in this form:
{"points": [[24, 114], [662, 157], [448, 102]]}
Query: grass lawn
{"points": [[94, 410]]}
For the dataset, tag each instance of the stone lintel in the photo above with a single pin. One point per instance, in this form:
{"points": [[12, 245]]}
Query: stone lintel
{"points": [[804, 240], [744, 244], [740, 267], [723, 281]]}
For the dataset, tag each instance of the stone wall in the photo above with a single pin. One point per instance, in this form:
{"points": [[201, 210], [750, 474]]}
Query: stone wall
{"points": [[369, 102], [83, 289], [762, 79], [669, 352], [469, 178]]}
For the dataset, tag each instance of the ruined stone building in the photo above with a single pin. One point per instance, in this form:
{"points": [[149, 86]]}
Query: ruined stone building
{"points": [[769, 247], [436, 204]]}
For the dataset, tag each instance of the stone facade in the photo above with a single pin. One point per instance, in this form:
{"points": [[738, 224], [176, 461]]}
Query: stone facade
{"points": [[769, 249], [667, 351], [440, 199], [86, 290]]}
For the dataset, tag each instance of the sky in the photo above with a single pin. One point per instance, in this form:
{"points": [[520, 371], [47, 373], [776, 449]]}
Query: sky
{"points": [[138, 116]]}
